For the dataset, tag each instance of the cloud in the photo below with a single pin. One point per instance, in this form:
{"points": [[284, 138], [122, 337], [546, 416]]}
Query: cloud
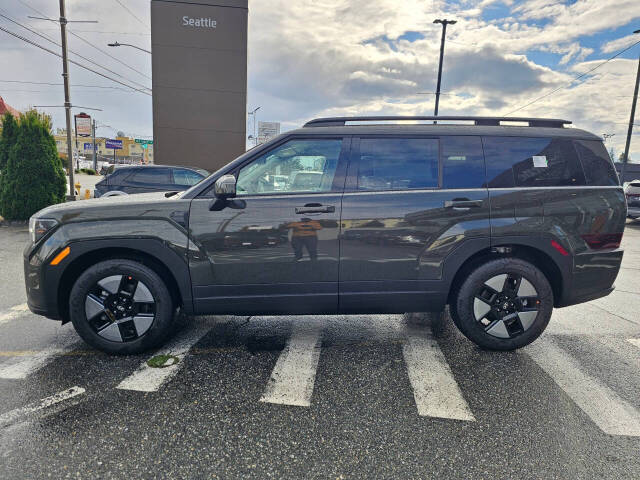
{"points": [[309, 58], [620, 43]]}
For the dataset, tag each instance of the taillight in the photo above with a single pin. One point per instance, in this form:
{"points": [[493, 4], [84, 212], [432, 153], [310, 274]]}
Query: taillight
{"points": [[632, 195], [602, 241]]}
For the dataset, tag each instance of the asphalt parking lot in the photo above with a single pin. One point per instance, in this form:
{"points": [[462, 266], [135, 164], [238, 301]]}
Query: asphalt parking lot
{"points": [[335, 397]]}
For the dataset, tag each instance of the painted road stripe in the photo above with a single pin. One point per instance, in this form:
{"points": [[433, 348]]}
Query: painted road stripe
{"points": [[148, 379], [32, 363], [292, 378], [14, 312], [634, 341], [435, 390], [606, 408], [19, 413]]}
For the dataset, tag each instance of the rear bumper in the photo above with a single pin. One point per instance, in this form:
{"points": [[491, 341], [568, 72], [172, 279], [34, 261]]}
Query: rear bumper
{"points": [[593, 277]]}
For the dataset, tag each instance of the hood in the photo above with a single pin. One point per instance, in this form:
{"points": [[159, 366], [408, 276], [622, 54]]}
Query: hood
{"points": [[154, 204]]}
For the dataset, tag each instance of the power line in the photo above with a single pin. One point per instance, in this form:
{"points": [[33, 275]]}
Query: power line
{"points": [[102, 31], [72, 61], [92, 45], [60, 84], [75, 53], [133, 14], [571, 82]]}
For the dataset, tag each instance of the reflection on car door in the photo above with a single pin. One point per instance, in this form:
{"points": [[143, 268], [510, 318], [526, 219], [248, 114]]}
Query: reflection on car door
{"points": [[403, 213], [276, 251]]}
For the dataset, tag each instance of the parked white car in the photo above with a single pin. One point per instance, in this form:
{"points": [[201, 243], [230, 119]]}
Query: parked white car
{"points": [[632, 191]]}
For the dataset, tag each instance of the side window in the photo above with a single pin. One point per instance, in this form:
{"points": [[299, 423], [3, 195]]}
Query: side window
{"points": [[398, 163], [118, 175], [596, 163], [151, 175], [186, 177], [295, 166], [462, 162], [531, 162]]}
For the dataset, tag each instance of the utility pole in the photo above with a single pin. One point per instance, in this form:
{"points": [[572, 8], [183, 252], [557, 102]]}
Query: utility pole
{"points": [[625, 159], [444, 23], [67, 99], [95, 153]]}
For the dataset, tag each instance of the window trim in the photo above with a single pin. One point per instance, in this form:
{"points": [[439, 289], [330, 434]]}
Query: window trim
{"points": [[351, 184]]}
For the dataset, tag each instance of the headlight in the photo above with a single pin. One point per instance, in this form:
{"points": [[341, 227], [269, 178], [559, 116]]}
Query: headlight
{"points": [[38, 227]]}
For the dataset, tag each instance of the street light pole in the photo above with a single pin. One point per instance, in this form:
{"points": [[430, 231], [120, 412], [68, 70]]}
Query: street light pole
{"points": [[444, 23], [116, 44], [625, 158], [67, 97], [255, 139]]}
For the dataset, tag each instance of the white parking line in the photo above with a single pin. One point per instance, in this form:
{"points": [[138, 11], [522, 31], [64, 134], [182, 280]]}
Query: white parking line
{"points": [[611, 413], [15, 415], [634, 341], [31, 363], [435, 390], [148, 379], [14, 312], [294, 374]]}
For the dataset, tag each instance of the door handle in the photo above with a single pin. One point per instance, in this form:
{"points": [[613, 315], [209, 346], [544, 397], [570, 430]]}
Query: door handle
{"points": [[462, 204], [315, 208]]}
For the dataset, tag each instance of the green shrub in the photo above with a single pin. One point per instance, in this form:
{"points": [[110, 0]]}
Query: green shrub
{"points": [[33, 178], [7, 138]]}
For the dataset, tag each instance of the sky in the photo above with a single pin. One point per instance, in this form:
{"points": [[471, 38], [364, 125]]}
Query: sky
{"points": [[312, 58]]}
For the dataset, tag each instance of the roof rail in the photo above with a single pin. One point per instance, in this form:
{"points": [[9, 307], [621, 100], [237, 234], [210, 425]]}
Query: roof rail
{"points": [[533, 122]]}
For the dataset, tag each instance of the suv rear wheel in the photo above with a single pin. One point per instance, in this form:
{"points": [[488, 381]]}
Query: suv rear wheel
{"points": [[121, 307], [503, 304]]}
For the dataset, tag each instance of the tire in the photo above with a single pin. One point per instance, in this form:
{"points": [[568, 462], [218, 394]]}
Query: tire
{"points": [[503, 304], [121, 307]]}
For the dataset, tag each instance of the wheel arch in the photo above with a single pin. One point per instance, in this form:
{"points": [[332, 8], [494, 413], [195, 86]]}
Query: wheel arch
{"points": [[165, 263], [556, 273]]}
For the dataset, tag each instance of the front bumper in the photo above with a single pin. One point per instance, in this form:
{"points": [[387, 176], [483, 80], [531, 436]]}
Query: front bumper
{"points": [[41, 301]]}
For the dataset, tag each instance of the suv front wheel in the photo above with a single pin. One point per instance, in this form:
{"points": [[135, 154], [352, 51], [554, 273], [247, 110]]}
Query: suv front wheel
{"points": [[121, 307], [503, 304]]}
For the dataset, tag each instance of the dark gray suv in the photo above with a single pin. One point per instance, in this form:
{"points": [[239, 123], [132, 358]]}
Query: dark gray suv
{"points": [[348, 215]]}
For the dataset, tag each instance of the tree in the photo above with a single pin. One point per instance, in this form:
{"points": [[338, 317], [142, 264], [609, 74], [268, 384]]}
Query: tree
{"points": [[612, 154], [33, 178], [621, 158], [7, 138]]}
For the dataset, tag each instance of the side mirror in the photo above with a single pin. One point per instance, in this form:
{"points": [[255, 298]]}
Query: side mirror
{"points": [[225, 187]]}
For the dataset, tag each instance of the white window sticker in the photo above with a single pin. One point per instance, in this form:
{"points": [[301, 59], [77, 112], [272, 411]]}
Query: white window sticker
{"points": [[540, 161]]}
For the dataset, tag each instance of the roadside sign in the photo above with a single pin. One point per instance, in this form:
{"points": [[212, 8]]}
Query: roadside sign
{"points": [[89, 146], [83, 125], [143, 141], [268, 129], [114, 144]]}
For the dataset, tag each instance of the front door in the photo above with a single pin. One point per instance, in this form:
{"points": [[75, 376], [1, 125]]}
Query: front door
{"points": [[275, 248]]}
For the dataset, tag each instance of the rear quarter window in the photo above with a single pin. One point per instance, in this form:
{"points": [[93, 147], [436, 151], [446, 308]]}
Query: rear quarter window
{"points": [[597, 165], [531, 162]]}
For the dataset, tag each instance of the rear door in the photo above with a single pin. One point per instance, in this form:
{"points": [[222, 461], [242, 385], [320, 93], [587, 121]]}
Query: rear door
{"points": [[410, 202]]}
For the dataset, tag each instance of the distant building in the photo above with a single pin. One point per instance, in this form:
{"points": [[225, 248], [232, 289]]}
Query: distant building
{"points": [[131, 152]]}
